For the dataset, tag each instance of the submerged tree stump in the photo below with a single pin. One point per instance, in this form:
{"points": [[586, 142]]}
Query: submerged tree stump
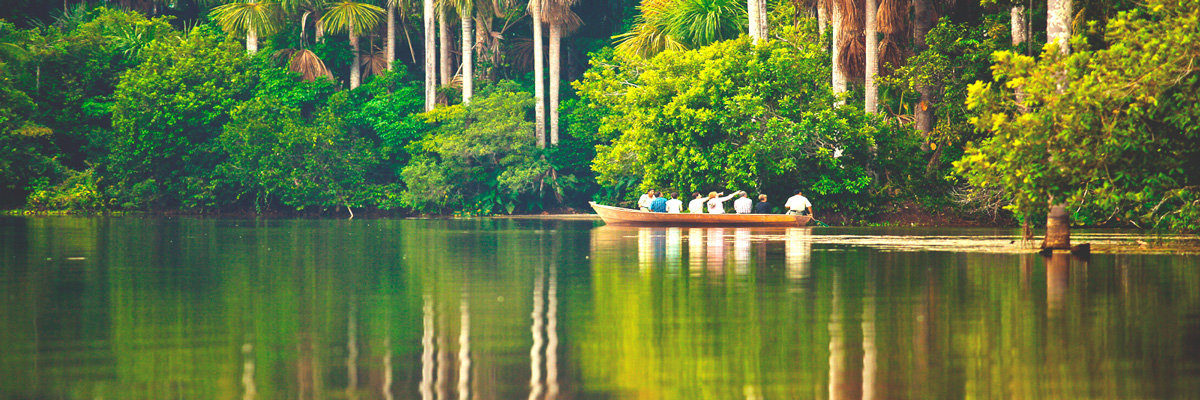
{"points": [[1058, 229]]}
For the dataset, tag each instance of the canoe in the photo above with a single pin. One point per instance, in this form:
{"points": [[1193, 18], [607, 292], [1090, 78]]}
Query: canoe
{"points": [[626, 216]]}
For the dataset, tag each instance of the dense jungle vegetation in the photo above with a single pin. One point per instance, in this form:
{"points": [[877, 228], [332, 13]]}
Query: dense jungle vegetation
{"points": [[981, 111]]}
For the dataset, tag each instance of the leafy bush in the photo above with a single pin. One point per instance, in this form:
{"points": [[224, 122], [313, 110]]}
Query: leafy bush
{"points": [[733, 116], [480, 158], [79, 192], [167, 112]]}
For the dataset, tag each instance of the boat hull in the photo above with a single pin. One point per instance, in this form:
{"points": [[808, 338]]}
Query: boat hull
{"points": [[625, 216]]}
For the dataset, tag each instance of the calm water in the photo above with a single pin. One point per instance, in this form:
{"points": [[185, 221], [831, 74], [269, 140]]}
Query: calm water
{"points": [[140, 308]]}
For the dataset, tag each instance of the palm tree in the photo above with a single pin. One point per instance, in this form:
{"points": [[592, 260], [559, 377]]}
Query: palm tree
{"points": [[466, 9], [560, 17], [924, 16], [648, 36], [430, 65], [757, 12], [1020, 33], [892, 24], [306, 8], [1058, 23], [535, 10], [390, 55], [839, 76], [870, 103], [251, 17], [444, 42], [355, 18], [679, 24]]}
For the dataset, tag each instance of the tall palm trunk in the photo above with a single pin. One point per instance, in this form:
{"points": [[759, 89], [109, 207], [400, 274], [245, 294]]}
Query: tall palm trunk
{"points": [[822, 16], [871, 88], [1020, 33], [319, 27], [430, 64], [251, 39], [468, 59], [555, 71], [756, 11], [355, 69], [539, 86], [923, 18], [1058, 23], [391, 35], [839, 76], [444, 46]]}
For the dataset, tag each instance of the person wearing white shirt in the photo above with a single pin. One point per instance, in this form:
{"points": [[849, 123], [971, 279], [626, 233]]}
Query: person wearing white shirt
{"points": [[798, 204], [696, 206], [743, 204], [716, 205], [674, 205], [644, 201]]}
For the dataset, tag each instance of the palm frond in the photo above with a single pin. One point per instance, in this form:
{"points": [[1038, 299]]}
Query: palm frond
{"points": [[561, 14], [852, 42], [701, 22], [237, 17], [308, 65], [344, 15], [374, 62]]}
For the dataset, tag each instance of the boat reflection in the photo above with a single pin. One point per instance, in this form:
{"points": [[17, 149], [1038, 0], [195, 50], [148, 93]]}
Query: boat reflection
{"points": [[710, 251]]}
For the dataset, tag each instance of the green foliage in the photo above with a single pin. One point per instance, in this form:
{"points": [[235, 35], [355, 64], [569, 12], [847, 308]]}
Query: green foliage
{"points": [[1111, 132], [733, 116], [276, 156], [79, 192], [958, 54], [479, 158], [166, 114]]}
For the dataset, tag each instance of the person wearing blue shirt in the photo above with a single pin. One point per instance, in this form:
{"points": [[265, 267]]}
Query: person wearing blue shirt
{"points": [[659, 204]]}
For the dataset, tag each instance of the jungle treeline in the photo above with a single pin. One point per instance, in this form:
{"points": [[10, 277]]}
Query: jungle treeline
{"points": [[990, 111]]}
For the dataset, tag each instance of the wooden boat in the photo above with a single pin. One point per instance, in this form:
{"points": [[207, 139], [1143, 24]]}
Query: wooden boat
{"points": [[626, 216]]}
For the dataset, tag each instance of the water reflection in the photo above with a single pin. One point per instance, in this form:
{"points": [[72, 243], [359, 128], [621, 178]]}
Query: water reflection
{"points": [[484, 309]]}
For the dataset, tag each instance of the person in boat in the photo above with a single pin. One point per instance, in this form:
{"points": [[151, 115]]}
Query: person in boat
{"points": [[798, 204], [716, 202], [659, 204], [674, 205], [644, 201], [696, 206], [762, 206], [743, 205]]}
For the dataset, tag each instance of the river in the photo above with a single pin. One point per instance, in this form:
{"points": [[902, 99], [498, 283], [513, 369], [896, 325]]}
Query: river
{"points": [[195, 308]]}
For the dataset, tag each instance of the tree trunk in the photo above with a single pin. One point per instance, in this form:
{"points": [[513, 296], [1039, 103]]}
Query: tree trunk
{"points": [[391, 35], [752, 19], [430, 64], [555, 71], [444, 47], [1058, 228], [538, 80], [871, 100], [319, 27], [756, 10], [251, 40], [468, 59], [1019, 32], [822, 16], [1058, 23], [839, 76], [923, 18], [1058, 30], [355, 77]]}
